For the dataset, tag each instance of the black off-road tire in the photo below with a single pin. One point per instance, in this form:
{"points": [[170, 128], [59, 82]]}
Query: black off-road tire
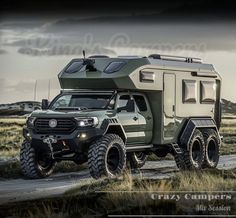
{"points": [[179, 160], [30, 165], [195, 155], [137, 159], [212, 150], [107, 157]]}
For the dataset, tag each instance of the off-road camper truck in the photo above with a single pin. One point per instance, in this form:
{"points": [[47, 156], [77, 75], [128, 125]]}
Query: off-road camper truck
{"points": [[113, 110]]}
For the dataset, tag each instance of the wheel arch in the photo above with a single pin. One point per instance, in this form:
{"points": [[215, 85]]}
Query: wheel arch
{"points": [[191, 125], [113, 126]]}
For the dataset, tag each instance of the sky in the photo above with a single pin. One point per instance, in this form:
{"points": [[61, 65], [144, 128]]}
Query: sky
{"points": [[35, 48]]}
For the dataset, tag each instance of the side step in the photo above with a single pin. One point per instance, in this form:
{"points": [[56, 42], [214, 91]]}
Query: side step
{"points": [[176, 148], [138, 147]]}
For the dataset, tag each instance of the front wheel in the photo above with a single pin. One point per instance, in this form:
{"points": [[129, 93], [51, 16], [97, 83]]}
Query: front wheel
{"points": [[137, 159], [35, 163], [107, 156]]}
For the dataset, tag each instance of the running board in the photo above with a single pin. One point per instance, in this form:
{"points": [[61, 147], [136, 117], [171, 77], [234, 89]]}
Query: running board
{"points": [[176, 148], [138, 147]]}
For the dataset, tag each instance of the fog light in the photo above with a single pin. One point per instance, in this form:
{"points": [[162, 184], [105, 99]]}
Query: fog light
{"points": [[83, 135]]}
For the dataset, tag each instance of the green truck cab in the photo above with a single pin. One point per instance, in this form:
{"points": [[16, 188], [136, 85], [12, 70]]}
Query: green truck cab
{"points": [[114, 111]]}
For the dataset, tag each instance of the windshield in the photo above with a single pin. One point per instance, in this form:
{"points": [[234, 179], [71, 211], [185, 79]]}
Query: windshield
{"points": [[83, 102]]}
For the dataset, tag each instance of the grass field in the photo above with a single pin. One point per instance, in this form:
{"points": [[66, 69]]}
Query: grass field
{"points": [[11, 139]]}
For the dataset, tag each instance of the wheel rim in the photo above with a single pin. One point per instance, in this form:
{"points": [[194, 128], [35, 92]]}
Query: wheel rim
{"points": [[113, 158], [196, 151], [139, 155], [44, 161], [211, 151]]}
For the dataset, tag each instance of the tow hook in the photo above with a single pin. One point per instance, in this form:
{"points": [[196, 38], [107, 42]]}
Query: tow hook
{"points": [[49, 141]]}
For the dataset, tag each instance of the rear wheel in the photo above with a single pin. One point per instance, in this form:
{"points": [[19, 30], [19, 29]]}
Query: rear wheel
{"points": [[212, 151], [137, 159], [194, 156], [35, 163], [107, 156]]}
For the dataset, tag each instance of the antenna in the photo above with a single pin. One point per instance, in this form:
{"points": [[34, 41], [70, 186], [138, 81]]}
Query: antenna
{"points": [[84, 54]]}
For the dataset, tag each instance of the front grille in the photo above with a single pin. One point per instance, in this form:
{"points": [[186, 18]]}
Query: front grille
{"points": [[64, 126]]}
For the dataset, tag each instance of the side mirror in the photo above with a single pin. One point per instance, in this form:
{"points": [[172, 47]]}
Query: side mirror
{"points": [[45, 104]]}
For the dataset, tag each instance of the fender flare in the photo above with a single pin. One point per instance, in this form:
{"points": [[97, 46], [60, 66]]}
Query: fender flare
{"points": [[113, 126], [191, 125]]}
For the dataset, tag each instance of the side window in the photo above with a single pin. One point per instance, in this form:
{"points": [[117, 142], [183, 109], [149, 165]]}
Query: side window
{"points": [[124, 104], [140, 102], [189, 91]]}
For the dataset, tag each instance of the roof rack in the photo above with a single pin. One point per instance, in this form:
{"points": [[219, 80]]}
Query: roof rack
{"points": [[129, 56], [176, 58]]}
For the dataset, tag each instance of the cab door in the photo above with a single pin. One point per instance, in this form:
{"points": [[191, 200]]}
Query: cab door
{"points": [[145, 118], [128, 119]]}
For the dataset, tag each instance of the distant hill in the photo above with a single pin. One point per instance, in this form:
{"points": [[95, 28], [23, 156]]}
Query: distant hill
{"points": [[19, 108], [228, 107]]}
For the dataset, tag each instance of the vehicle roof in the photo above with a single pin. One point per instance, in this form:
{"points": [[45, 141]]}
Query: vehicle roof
{"points": [[91, 79]]}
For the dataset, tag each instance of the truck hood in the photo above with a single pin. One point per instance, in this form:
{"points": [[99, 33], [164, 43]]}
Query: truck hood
{"points": [[66, 114]]}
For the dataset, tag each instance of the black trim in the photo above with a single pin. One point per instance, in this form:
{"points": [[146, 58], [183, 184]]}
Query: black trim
{"points": [[138, 148]]}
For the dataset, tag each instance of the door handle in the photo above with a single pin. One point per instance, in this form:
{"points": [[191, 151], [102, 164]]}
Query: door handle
{"points": [[135, 118]]}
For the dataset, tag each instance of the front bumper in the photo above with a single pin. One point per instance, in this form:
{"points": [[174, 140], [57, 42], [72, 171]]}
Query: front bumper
{"points": [[75, 140]]}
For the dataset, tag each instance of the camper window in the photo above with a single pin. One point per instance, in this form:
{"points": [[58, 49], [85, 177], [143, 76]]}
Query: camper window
{"points": [[189, 91], [208, 92]]}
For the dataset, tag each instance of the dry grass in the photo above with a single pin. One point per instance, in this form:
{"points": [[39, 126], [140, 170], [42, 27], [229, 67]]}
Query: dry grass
{"points": [[129, 195], [11, 136], [17, 121], [205, 180]]}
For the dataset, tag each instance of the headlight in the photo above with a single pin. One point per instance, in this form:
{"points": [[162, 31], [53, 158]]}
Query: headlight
{"points": [[91, 121], [30, 121]]}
